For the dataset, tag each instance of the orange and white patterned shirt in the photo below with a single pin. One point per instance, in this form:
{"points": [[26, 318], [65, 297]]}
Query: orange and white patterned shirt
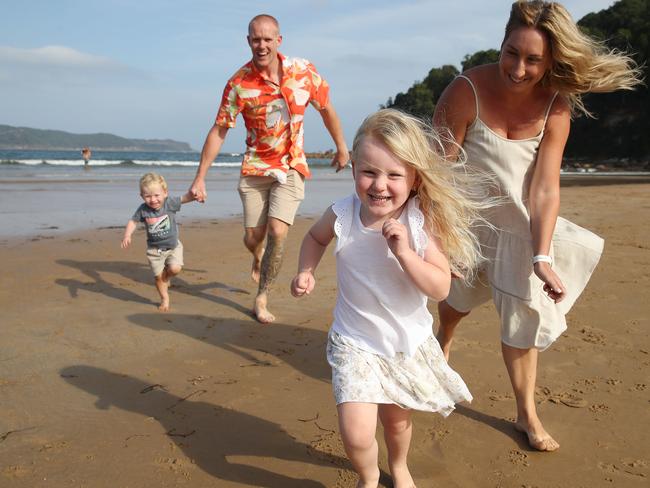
{"points": [[273, 115]]}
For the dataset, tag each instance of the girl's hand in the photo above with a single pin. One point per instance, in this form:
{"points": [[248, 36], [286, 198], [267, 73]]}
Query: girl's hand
{"points": [[126, 242], [396, 235], [552, 284], [303, 284]]}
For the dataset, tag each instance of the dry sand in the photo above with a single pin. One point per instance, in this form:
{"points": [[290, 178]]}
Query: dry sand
{"points": [[99, 389]]}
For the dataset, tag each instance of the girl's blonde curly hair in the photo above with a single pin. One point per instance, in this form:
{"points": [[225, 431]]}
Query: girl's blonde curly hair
{"points": [[450, 198]]}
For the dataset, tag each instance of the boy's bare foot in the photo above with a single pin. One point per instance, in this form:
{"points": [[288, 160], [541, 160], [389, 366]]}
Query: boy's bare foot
{"points": [[538, 438], [164, 306], [162, 285], [262, 314]]}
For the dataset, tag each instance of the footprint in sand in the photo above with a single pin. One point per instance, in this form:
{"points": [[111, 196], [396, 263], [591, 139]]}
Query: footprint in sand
{"points": [[438, 434], [593, 336], [600, 408], [518, 457], [570, 399]]}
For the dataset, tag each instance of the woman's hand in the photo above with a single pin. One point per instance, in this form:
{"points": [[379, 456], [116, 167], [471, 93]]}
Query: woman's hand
{"points": [[553, 286]]}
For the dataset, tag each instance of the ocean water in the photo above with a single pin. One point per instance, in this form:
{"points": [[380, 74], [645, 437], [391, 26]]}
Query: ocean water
{"points": [[52, 192]]}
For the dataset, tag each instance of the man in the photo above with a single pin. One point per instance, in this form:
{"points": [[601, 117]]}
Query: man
{"points": [[271, 92]]}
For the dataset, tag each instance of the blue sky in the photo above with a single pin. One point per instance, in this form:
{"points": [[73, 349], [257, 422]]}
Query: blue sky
{"points": [[156, 68]]}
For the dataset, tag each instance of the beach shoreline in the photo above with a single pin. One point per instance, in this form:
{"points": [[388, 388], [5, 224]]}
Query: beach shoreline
{"points": [[33, 206]]}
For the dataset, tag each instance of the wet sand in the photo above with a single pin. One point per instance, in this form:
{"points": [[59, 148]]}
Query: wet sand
{"points": [[99, 389]]}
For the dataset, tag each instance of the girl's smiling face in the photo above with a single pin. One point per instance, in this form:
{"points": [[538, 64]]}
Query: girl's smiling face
{"points": [[383, 183]]}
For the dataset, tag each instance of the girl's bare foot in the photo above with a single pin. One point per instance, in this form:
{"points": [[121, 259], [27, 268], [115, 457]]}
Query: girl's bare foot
{"points": [[402, 477], [538, 438], [371, 483]]}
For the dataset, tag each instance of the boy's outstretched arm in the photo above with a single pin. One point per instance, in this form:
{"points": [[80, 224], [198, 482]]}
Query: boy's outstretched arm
{"points": [[128, 232], [312, 250]]}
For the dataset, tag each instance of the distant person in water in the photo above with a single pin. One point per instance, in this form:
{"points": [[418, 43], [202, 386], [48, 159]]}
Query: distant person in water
{"points": [[271, 92], [86, 155], [164, 249]]}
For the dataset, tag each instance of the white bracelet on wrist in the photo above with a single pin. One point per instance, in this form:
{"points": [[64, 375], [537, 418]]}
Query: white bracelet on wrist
{"points": [[543, 258]]}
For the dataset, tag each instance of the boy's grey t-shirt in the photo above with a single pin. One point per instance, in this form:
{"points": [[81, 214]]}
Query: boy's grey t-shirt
{"points": [[162, 231]]}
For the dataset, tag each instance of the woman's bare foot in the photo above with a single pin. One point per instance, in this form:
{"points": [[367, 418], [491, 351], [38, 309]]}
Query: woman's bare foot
{"points": [[262, 314], [538, 438]]}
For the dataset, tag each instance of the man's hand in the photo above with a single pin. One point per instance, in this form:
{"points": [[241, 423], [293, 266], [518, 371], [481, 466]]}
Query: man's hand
{"points": [[340, 160], [198, 190]]}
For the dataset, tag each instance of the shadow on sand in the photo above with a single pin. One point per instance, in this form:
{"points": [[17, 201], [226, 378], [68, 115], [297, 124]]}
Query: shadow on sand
{"points": [[140, 273], [208, 434]]}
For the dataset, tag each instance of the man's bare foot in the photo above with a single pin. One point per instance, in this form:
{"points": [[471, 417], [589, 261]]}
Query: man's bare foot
{"points": [[164, 306], [256, 268], [262, 314], [538, 438]]}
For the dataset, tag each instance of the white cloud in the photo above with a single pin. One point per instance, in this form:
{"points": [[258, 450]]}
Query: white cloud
{"points": [[55, 56]]}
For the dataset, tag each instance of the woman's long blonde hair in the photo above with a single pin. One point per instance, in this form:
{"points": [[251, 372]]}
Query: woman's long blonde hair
{"points": [[580, 64], [450, 198]]}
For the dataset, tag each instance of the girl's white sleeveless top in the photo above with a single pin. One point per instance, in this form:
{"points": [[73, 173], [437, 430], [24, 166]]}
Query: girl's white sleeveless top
{"points": [[378, 306]]}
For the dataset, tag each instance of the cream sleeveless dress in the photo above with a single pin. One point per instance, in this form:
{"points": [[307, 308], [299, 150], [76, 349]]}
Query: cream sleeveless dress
{"points": [[529, 318]]}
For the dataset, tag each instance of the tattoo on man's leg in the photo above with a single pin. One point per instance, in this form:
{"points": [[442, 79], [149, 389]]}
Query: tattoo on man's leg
{"points": [[271, 262]]}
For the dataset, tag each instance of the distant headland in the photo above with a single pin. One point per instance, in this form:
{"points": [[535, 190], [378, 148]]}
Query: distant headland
{"points": [[26, 138]]}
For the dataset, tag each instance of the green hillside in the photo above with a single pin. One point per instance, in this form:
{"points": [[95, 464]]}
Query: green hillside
{"points": [[27, 138]]}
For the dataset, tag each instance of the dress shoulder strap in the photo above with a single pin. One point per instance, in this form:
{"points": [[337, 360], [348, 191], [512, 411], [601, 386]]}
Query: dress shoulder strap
{"points": [[473, 89], [548, 109]]}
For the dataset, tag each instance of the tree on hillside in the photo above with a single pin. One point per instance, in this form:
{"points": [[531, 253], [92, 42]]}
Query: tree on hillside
{"points": [[622, 118], [480, 57], [421, 98]]}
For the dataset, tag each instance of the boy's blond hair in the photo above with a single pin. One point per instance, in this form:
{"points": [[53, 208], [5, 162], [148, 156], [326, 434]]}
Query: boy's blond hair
{"points": [[150, 179], [450, 198]]}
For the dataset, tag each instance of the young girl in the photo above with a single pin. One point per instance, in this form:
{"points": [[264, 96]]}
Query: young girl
{"points": [[399, 238], [512, 119]]}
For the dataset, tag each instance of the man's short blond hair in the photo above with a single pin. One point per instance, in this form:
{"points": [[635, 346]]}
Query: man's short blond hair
{"points": [[268, 17]]}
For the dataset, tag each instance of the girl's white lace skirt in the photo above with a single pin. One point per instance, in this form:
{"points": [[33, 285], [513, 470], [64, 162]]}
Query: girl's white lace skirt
{"points": [[423, 381]]}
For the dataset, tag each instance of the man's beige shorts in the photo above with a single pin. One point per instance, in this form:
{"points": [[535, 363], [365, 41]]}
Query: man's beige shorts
{"points": [[158, 258], [264, 196]]}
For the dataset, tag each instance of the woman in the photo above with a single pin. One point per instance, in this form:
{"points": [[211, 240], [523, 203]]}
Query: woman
{"points": [[512, 120]]}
